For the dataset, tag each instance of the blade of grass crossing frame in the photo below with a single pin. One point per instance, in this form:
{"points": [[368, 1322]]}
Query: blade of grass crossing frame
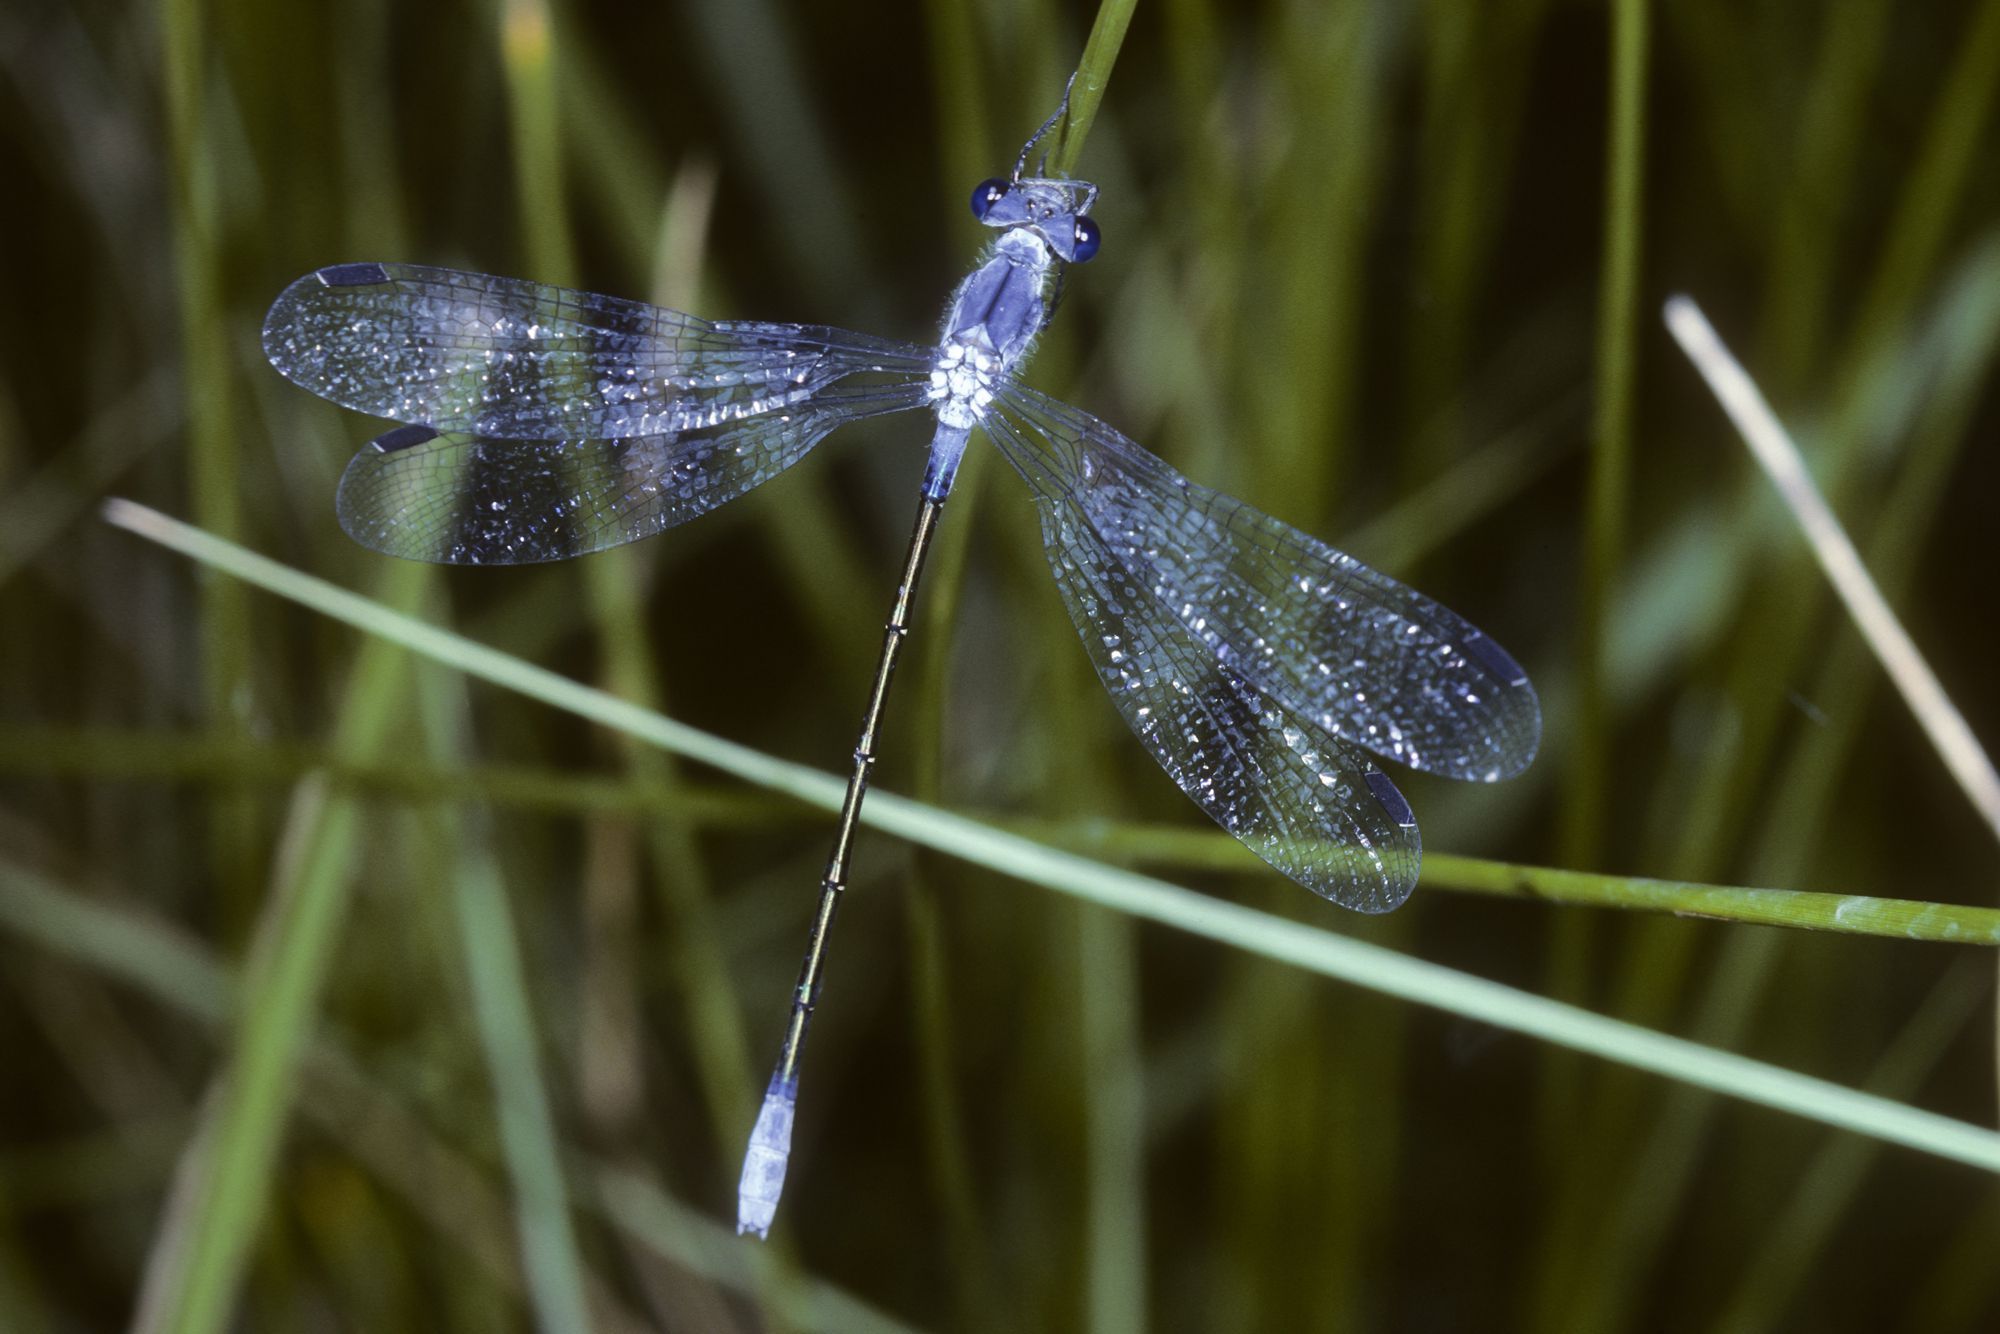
{"points": [[1318, 950]]}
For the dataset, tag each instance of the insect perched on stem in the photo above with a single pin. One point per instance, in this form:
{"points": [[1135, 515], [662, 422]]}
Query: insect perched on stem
{"points": [[1261, 667]]}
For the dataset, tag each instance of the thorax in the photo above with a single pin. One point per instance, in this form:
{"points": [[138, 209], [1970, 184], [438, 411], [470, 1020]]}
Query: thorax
{"points": [[990, 327]]}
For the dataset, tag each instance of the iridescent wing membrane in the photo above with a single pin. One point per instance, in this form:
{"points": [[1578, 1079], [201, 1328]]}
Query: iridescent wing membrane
{"points": [[543, 423], [1257, 664]]}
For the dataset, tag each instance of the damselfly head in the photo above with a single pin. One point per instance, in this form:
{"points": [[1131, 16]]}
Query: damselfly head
{"points": [[1056, 210]]}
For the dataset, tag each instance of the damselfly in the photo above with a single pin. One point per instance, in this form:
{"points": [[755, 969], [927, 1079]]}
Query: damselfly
{"points": [[1261, 667]]}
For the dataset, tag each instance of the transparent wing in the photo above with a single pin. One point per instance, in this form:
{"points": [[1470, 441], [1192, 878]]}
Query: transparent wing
{"points": [[1294, 793], [545, 423], [474, 500], [516, 360], [1348, 649]]}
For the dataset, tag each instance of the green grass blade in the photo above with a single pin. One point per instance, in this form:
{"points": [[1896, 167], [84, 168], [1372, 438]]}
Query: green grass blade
{"points": [[150, 756], [1619, 320], [1798, 1235], [507, 1031], [156, 956], [616, 584], [526, 38], [155, 757], [37, 511], [448, 1191], [1856, 914], [1313, 949], [1116, 1124], [194, 86], [224, 1181], [1093, 76], [1182, 848], [714, 1251]]}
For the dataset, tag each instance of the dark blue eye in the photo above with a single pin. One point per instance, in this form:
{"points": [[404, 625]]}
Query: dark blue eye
{"points": [[1088, 238], [988, 194]]}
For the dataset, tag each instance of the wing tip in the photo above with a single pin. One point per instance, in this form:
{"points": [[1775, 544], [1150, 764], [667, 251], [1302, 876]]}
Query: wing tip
{"points": [[1514, 753], [288, 345]]}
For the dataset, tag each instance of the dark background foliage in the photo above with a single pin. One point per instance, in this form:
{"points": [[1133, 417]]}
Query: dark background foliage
{"points": [[1353, 272]]}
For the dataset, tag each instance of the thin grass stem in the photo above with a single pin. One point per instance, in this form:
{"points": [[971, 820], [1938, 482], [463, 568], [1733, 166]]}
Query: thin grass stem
{"points": [[1311, 948]]}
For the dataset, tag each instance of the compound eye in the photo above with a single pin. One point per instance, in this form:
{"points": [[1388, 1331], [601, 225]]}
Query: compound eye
{"points": [[1088, 238], [988, 194]]}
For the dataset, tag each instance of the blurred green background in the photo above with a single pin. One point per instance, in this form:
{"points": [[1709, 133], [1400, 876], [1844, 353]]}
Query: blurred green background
{"points": [[1365, 266]]}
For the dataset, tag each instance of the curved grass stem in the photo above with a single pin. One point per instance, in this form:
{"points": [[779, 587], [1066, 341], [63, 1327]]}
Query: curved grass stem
{"points": [[1312, 948]]}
